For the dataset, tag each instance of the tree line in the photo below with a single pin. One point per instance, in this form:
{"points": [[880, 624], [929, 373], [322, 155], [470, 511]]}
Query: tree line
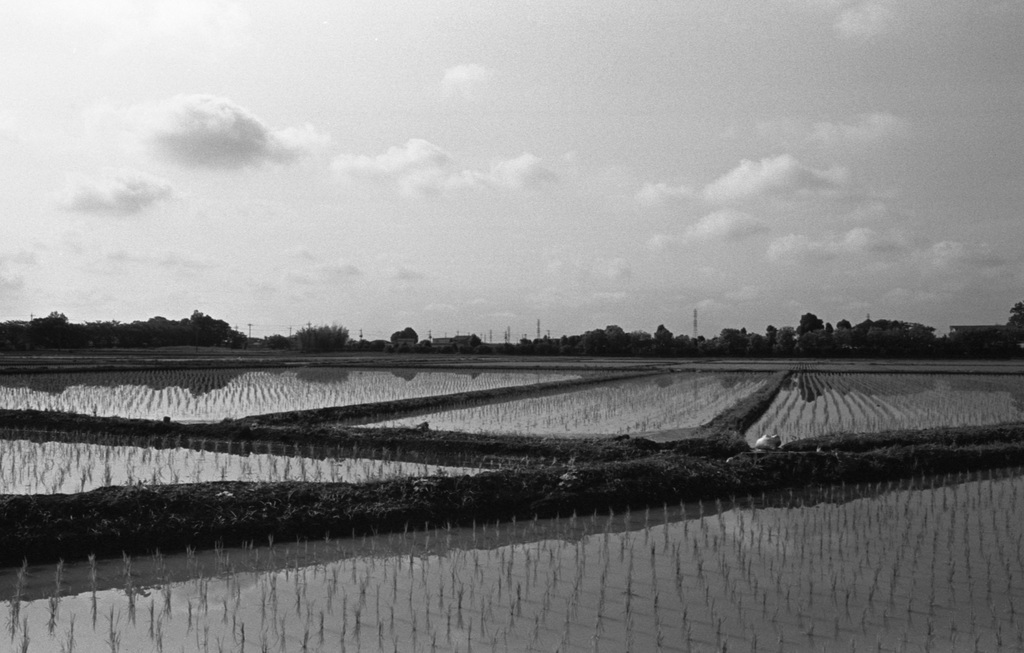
{"points": [[55, 331], [812, 337]]}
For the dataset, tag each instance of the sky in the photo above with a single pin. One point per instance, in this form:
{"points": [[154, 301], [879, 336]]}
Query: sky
{"points": [[479, 165]]}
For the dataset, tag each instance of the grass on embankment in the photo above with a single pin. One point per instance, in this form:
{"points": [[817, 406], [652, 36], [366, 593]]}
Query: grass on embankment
{"points": [[141, 519]]}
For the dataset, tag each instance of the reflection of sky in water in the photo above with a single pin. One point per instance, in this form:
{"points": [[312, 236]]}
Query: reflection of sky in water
{"points": [[820, 573], [211, 395], [819, 404], [61, 467], [633, 406]]}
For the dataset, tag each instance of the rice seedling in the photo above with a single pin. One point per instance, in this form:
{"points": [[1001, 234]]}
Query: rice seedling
{"points": [[814, 404], [29, 467], [636, 407], [910, 566], [214, 395]]}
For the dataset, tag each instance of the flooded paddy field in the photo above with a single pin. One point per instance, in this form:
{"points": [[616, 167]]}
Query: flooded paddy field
{"points": [[812, 404], [922, 565], [216, 394], [639, 407], [30, 467]]}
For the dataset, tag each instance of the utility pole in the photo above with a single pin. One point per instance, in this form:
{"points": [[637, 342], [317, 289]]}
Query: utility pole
{"points": [[538, 328], [694, 324]]}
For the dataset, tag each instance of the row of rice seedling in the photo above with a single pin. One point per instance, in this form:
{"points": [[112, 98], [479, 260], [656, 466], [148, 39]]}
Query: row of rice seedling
{"points": [[901, 568], [28, 467], [814, 404], [257, 392], [635, 406]]}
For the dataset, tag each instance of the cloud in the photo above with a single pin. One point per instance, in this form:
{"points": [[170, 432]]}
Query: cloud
{"points": [[421, 168], [779, 176], [206, 131], [439, 308], [465, 81], [725, 225], [869, 128], [865, 20], [8, 128], [403, 273], [167, 260], [655, 194], [178, 27], [953, 256], [795, 248], [339, 270], [860, 20], [524, 171], [864, 130], [617, 269], [743, 294], [122, 193], [175, 261]]}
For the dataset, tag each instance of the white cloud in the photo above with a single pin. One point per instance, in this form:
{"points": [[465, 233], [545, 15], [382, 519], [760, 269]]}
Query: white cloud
{"points": [[779, 176], [863, 130], [866, 20], [524, 171], [8, 128], [206, 131], [869, 128], [178, 27], [743, 294], [617, 269], [795, 248], [339, 270], [403, 273], [421, 168], [465, 81], [123, 192], [169, 260], [724, 225], [952, 255], [654, 194], [439, 308], [858, 19]]}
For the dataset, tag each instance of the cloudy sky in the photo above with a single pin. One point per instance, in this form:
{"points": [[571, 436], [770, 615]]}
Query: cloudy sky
{"points": [[471, 165]]}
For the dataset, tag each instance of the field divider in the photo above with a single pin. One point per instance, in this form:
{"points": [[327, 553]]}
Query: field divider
{"points": [[139, 519], [745, 413], [357, 414]]}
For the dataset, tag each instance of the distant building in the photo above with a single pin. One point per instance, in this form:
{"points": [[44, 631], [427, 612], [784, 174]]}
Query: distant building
{"points": [[454, 341]]}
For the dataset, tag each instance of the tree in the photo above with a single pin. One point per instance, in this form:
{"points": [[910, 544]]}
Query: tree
{"points": [[50, 332], [786, 341], [732, 342], [809, 322], [405, 334], [323, 338], [277, 341], [618, 340], [662, 341], [1017, 315]]}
